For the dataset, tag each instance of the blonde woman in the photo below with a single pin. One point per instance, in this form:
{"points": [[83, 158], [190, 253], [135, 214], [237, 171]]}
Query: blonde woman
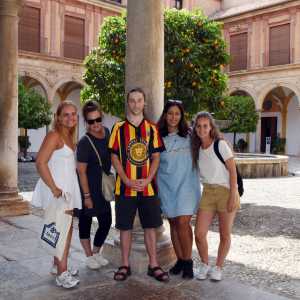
{"points": [[56, 166], [220, 194]]}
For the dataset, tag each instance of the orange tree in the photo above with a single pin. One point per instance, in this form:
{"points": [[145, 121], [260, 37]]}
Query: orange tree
{"points": [[195, 53]]}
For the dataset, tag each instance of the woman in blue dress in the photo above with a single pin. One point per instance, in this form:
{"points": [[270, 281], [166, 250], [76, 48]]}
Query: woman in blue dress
{"points": [[178, 184]]}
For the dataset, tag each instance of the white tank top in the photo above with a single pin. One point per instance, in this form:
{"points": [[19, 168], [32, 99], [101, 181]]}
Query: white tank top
{"points": [[62, 167]]}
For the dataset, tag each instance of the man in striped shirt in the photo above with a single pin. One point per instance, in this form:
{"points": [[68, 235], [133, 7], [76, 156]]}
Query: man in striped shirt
{"points": [[135, 145]]}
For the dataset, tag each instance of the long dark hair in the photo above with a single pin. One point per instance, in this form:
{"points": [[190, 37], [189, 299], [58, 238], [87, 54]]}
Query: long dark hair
{"points": [[196, 141], [183, 128]]}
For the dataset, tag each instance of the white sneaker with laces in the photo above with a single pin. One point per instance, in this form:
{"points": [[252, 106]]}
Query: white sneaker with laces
{"points": [[202, 271], [66, 280], [216, 273], [92, 263], [71, 270], [101, 260]]}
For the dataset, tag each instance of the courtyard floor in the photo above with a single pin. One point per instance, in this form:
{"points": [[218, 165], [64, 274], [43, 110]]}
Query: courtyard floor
{"points": [[264, 261]]}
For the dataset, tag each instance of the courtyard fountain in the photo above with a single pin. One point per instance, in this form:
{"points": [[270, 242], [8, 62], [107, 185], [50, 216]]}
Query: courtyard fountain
{"points": [[256, 165]]}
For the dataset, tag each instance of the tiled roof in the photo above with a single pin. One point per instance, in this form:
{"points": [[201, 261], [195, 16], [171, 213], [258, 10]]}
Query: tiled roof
{"points": [[254, 5]]}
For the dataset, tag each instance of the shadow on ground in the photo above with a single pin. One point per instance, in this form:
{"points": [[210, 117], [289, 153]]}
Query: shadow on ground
{"points": [[265, 221]]}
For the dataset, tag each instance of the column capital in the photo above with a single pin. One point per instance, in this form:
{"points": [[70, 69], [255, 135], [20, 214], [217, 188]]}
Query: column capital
{"points": [[10, 7]]}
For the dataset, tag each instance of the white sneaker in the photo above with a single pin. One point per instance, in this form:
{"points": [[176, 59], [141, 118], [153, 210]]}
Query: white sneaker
{"points": [[92, 263], [71, 270], [66, 280], [216, 273], [202, 271], [101, 260]]}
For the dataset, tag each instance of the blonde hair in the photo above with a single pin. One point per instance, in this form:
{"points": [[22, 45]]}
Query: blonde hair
{"points": [[56, 124]]}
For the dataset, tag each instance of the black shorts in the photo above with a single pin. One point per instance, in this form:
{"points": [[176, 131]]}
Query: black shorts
{"points": [[148, 208]]}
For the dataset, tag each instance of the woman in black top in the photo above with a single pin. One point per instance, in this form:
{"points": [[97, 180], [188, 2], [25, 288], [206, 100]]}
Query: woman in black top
{"points": [[90, 177]]}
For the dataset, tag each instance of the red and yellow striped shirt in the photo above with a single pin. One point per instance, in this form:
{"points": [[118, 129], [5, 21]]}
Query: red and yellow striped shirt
{"points": [[134, 147]]}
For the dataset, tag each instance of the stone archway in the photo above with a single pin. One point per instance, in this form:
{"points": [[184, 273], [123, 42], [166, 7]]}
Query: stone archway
{"points": [[242, 91], [69, 90], [276, 119], [34, 79], [249, 137], [36, 136], [266, 89]]}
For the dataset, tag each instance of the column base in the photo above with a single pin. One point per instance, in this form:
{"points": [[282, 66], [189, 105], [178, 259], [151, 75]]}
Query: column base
{"points": [[138, 256], [13, 204]]}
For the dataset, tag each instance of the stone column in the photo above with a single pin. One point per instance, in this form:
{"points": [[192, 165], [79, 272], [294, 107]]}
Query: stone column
{"points": [[258, 133], [145, 69], [145, 52], [11, 203]]}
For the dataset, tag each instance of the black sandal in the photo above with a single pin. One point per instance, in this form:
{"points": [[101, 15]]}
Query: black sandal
{"points": [[163, 276], [121, 276]]}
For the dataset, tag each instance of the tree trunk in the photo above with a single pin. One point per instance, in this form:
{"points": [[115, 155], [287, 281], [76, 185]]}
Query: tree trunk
{"points": [[26, 143], [234, 140]]}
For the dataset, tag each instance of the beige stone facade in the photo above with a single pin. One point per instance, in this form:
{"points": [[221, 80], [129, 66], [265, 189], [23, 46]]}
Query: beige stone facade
{"points": [[275, 89], [59, 77]]}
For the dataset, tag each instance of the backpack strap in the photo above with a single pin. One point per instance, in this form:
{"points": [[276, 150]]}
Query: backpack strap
{"points": [[217, 152]]}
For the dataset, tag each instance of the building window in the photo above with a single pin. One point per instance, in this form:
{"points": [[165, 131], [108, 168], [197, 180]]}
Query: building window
{"points": [[178, 4], [118, 1], [279, 47], [29, 29], [239, 51], [74, 38]]}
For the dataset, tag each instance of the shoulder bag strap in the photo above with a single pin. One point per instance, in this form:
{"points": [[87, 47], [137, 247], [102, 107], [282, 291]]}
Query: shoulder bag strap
{"points": [[93, 146]]}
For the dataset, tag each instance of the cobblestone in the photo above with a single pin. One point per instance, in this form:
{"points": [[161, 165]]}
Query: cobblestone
{"points": [[265, 250]]}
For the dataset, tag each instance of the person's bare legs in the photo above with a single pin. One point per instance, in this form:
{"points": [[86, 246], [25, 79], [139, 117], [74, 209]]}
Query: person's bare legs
{"points": [[203, 221], [150, 243], [185, 236], [62, 265], [175, 238], [225, 226], [86, 245], [125, 239]]}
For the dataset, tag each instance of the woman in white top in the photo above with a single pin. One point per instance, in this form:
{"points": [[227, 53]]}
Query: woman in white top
{"points": [[220, 195], [55, 163]]}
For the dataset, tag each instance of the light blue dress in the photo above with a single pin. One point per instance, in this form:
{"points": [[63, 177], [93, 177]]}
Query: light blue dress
{"points": [[178, 183]]}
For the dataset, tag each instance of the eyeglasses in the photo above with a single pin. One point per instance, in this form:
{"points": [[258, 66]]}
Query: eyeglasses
{"points": [[174, 101], [92, 121]]}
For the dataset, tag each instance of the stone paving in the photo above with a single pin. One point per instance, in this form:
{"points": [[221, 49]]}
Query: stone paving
{"points": [[264, 261]]}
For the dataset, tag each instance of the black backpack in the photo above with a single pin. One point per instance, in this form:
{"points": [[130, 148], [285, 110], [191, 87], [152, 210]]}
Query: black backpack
{"points": [[239, 177]]}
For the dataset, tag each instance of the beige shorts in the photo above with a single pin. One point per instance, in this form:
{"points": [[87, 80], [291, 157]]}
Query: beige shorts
{"points": [[215, 197]]}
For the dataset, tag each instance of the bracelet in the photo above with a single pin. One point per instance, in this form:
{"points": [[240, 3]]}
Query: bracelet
{"points": [[86, 194]]}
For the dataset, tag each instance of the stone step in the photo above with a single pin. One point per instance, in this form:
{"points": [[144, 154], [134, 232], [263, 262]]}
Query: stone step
{"points": [[14, 206]]}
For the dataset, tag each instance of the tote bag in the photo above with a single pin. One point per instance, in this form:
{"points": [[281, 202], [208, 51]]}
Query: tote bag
{"points": [[56, 226]]}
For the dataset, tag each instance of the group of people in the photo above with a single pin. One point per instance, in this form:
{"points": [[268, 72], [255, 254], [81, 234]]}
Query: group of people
{"points": [[160, 170]]}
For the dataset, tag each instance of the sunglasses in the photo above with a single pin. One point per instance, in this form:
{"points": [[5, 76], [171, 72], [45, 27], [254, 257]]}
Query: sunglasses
{"points": [[92, 121], [174, 101]]}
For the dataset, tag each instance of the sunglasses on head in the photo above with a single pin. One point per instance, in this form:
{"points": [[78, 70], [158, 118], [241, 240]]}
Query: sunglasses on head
{"points": [[92, 121], [174, 101]]}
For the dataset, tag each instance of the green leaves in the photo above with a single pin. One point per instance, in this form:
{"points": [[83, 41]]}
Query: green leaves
{"points": [[240, 110], [194, 55], [34, 111]]}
